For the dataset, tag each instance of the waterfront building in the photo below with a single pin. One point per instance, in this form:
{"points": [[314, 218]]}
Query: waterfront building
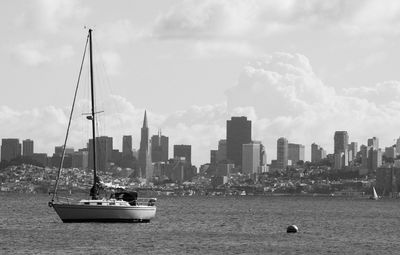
{"points": [[295, 153], [221, 152], [251, 158], [376, 159], [159, 148], [282, 153], [341, 141], [371, 158], [183, 151], [27, 148], [104, 149], [127, 146], [10, 149], [145, 165], [238, 132]]}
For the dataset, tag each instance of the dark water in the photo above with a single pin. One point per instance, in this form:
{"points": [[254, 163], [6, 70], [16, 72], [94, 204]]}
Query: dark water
{"points": [[210, 225]]}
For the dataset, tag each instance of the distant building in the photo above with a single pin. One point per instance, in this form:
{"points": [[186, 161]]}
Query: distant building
{"points": [[10, 149], [116, 156], [179, 170], [59, 150], [353, 147], [80, 159], [282, 153], [27, 148], [317, 153], [145, 165], [295, 152], [127, 146], [183, 151], [221, 153], [159, 148], [224, 169], [390, 152], [374, 143], [251, 158], [213, 157], [238, 132], [104, 149], [341, 141], [371, 158], [40, 158], [398, 146]]}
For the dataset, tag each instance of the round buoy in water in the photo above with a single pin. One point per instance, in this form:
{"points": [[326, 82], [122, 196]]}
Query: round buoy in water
{"points": [[292, 229]]}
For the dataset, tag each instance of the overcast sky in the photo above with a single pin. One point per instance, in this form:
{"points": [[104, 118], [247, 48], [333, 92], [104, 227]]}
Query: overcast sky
{"points": [[297, 68]]}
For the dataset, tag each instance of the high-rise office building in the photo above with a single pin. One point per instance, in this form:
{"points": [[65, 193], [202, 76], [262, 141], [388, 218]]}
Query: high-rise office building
{"points": [[341, 140], [238, 132], [127, 146], [58, 150], [104, 149], [353, 147], [295, 152], [282, 153], [183, 151], [251, 158], [159, 148], [317, 153], [10, 149], [213, 157], [390, 152], [145, 166], [27, 148], [374, 143], [221, 153]]}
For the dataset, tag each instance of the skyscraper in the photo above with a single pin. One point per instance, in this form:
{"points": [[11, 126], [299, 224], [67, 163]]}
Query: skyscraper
{"points": [[221, 153], [374, 143], [282, 153], [159, 148], [27, 148], [238, 132], [183, 151], [353, 147], [145, 166], [317, 153], [10, 149], [295, 152], [127, 146], [341, 140], [251, 158], [104, 149]]}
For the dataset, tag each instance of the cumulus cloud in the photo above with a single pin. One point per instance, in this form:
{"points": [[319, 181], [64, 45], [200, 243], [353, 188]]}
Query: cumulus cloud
{"points": [[37, 52], [52, 15], [231, 18]]}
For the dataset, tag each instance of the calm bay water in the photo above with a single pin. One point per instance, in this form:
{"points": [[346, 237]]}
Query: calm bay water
{"points": [[210, 225]]}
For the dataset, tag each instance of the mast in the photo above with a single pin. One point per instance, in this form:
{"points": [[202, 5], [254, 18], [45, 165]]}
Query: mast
{"points": [[94, 191]]}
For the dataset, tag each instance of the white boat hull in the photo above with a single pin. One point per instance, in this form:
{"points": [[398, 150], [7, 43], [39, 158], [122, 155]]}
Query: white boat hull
{"points": [[104, 213]]}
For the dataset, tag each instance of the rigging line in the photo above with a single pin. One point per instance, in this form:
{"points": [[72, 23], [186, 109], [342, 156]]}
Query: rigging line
{"points": [[69, 122]]}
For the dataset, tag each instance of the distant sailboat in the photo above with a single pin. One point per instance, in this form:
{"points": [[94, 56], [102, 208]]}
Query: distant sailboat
{"points": [[374, 195]]}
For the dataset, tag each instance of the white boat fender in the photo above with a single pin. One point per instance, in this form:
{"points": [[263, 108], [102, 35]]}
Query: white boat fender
{"points": [[292, 229]]}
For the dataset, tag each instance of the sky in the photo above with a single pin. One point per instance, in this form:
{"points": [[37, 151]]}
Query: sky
{"points": [[299, 69]]}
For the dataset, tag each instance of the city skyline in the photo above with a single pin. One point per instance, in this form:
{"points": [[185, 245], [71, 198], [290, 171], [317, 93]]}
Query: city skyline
{"points": [[299, 70]]}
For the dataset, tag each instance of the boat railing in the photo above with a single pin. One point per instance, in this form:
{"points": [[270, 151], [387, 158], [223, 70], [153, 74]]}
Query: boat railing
{"points": [[146, 201]]}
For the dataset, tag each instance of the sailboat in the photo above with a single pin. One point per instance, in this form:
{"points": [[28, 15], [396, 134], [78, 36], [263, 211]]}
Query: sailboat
{"points": [[122, 206], [374, 195]]}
